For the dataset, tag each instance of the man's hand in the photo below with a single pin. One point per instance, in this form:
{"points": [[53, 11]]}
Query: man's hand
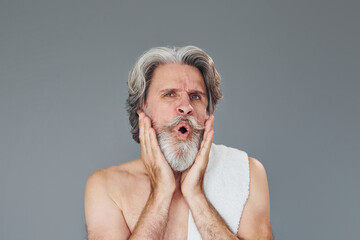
{"points": [[160, 173], [192, 179], [207, 219], [153, 218]]}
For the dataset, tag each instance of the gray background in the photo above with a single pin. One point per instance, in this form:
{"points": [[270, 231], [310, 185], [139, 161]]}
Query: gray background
{"points": [[290, 79]]}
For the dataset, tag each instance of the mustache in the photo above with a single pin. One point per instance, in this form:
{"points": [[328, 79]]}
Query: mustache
{"points": [[195, 126]]}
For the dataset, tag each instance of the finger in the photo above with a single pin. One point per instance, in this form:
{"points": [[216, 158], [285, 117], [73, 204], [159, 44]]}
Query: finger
{"points": [[202, 158], [141, 128], [206, 143], [209, 125], [147, 126], [154, 142], [212, 122], [141, 134]]}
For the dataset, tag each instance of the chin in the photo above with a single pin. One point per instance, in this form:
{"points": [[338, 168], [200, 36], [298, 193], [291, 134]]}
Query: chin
{"points": [[180, 154]]}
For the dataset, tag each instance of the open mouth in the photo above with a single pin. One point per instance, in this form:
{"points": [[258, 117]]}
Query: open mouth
{"points": [[183, 130]]}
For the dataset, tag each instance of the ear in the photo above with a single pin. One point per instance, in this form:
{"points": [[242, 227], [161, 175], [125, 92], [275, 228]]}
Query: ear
{"points": [[141, 109]]}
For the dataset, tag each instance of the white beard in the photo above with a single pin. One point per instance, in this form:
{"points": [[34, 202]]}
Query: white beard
{"points": [[179, 154]]}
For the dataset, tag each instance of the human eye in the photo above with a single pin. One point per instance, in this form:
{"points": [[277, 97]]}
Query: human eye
{"points": [[169, 94], [195, 96]]}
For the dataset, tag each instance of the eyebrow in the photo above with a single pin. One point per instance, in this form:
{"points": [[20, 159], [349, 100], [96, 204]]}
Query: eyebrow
{"points": [[177, 90]]}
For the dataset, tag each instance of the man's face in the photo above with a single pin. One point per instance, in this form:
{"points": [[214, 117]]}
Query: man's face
{"points": [[177, 90]]}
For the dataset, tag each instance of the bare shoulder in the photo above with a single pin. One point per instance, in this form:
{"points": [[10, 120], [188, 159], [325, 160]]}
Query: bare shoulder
{"points": [[257, 172], [255, 220], [116, 180], [104, 192]]}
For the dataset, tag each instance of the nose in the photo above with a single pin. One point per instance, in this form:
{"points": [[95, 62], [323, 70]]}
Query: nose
{"points": [[185, 108]]}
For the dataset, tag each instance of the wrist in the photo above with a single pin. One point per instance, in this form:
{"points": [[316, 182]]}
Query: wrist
{"points": [[162, 192], [197, 195], [159, 202]]}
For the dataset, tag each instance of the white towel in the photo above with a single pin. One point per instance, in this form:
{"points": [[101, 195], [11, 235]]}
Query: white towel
{"points": [[226, 186]]}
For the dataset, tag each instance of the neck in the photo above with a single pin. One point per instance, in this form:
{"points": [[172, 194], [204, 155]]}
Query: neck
{"points": [[179, 176]]}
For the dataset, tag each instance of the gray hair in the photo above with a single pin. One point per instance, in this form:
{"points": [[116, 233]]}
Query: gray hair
{"points": [[141, 74]]}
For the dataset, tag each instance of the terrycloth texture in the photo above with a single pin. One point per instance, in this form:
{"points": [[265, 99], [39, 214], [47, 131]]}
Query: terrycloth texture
{"points": [[226, 186]]}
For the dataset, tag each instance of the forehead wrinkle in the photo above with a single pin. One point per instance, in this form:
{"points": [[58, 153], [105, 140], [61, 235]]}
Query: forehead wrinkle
{"points": [[178, 77], [192, 91]]}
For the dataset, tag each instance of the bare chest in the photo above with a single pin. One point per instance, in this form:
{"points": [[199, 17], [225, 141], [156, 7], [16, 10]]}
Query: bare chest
{"points": [[176, 227]]}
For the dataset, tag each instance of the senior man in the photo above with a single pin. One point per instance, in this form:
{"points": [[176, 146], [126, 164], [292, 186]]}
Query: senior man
{"points": [[183, 186]]}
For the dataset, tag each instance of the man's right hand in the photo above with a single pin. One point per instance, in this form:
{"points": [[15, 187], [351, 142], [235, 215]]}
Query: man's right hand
{"points": [[160, 173]]}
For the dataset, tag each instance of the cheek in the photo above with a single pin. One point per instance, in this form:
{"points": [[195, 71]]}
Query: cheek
{"points": [[160, 115], [201, 116]]}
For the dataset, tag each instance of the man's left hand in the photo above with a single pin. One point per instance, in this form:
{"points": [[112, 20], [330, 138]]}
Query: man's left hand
{"points": [[192, 179]]}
